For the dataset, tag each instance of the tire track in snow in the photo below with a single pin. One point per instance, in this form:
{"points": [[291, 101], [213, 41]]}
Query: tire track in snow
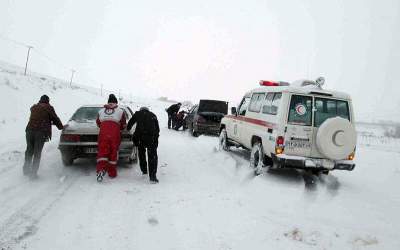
{"points": [[9, 161], [23, 223], [10, 190]]}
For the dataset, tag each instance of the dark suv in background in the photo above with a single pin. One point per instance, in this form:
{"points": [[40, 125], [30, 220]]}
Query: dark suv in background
{"points": [[205, 117]]}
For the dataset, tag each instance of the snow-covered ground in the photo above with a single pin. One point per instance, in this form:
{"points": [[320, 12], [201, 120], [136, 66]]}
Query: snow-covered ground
{"points": [[206, 199]]}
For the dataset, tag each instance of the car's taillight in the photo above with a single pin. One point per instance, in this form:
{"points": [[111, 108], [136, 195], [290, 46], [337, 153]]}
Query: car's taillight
{"points": [[280, 145], [351, 156], [70, 138], [280, 141]]}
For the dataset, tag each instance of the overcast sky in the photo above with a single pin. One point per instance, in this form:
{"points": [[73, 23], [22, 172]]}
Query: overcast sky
{"points": [[189, 50]]}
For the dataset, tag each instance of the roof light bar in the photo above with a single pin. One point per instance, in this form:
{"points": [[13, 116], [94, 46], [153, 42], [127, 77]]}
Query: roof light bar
{"points": [[272, 83]]}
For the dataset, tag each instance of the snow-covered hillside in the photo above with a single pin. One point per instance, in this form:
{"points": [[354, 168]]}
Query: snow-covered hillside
{"points": [[206, 199]]}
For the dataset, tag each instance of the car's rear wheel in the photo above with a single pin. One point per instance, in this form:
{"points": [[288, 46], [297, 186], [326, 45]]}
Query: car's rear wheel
{"points": [[67, 158], [223, 140], [257, 158]]}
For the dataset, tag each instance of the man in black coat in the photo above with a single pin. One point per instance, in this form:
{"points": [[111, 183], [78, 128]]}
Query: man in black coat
{"points": [[172, 111], [146, 138]]}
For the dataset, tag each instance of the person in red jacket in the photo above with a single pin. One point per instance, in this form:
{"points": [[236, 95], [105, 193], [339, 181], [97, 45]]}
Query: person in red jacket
{"points": [[111, 120]]}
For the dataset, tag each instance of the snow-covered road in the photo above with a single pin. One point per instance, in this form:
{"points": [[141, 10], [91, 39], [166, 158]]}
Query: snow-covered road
{"points": [[206, 199]]}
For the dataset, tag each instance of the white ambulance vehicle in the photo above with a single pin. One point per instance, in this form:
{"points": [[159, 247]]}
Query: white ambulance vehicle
{"points": [[300, 126]]}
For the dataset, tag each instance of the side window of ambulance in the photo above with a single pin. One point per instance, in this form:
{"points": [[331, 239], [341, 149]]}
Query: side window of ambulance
{"points": [[275, 103], [244, 105], [256, 102], [300, 110], [271, 104]]}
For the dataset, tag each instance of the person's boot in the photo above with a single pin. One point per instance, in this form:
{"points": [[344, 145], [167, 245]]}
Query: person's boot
{"points": [[144, 170], [33, 176], [100, 175], [26, 170], [153, 180], [112, 171]]}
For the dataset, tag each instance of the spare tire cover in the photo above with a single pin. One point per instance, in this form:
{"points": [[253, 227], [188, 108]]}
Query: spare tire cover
{"points": [[336, 138]]}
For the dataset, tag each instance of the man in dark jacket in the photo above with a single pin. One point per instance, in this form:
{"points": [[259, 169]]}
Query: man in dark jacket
{"points": [[38, 131], [146, 138], [172, 111]]}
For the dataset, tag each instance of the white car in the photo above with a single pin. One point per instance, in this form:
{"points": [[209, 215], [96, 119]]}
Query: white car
{"points": [[79, 137], [298, 126]]}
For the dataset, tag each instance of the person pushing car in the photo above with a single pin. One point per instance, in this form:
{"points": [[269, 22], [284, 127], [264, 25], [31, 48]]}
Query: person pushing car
{"points": [[146, 138], [111, 120], [172, 111], [38, 131]]}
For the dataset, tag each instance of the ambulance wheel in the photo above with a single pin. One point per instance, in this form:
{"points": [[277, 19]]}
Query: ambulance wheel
{"points": [[257, 158], [223, 140]]}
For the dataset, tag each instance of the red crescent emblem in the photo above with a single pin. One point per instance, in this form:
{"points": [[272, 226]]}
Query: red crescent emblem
{"points": [[300, 109]]}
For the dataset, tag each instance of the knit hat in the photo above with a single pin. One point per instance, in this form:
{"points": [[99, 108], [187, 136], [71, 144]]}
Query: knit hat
{"points": [[144, 108], [44, 99], [112, 99]]}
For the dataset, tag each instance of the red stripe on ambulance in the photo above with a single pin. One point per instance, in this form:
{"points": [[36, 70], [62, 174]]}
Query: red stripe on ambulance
{"points": [[253, 121]]}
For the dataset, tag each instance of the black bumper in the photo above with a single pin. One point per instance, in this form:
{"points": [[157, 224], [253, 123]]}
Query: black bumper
{"points": [[207, 129], [282, 161]]}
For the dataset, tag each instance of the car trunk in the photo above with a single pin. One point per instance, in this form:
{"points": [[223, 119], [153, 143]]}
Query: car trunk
{"points": [[82, 127], [213, 106], [212, 111], [211, 117], [89, 131]]}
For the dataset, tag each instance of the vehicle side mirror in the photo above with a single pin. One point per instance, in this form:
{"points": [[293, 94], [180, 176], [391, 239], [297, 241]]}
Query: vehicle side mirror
{"points": [[233, 111]]}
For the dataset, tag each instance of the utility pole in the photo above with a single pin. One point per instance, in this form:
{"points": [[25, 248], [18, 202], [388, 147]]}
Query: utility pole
{"points": [[27, 58], [101, 90], [72, 76]]}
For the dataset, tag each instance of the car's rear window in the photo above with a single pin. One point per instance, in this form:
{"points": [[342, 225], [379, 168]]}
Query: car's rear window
{"points": [[213, 106], [328, 108], [300, 111], [86, 113]]}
